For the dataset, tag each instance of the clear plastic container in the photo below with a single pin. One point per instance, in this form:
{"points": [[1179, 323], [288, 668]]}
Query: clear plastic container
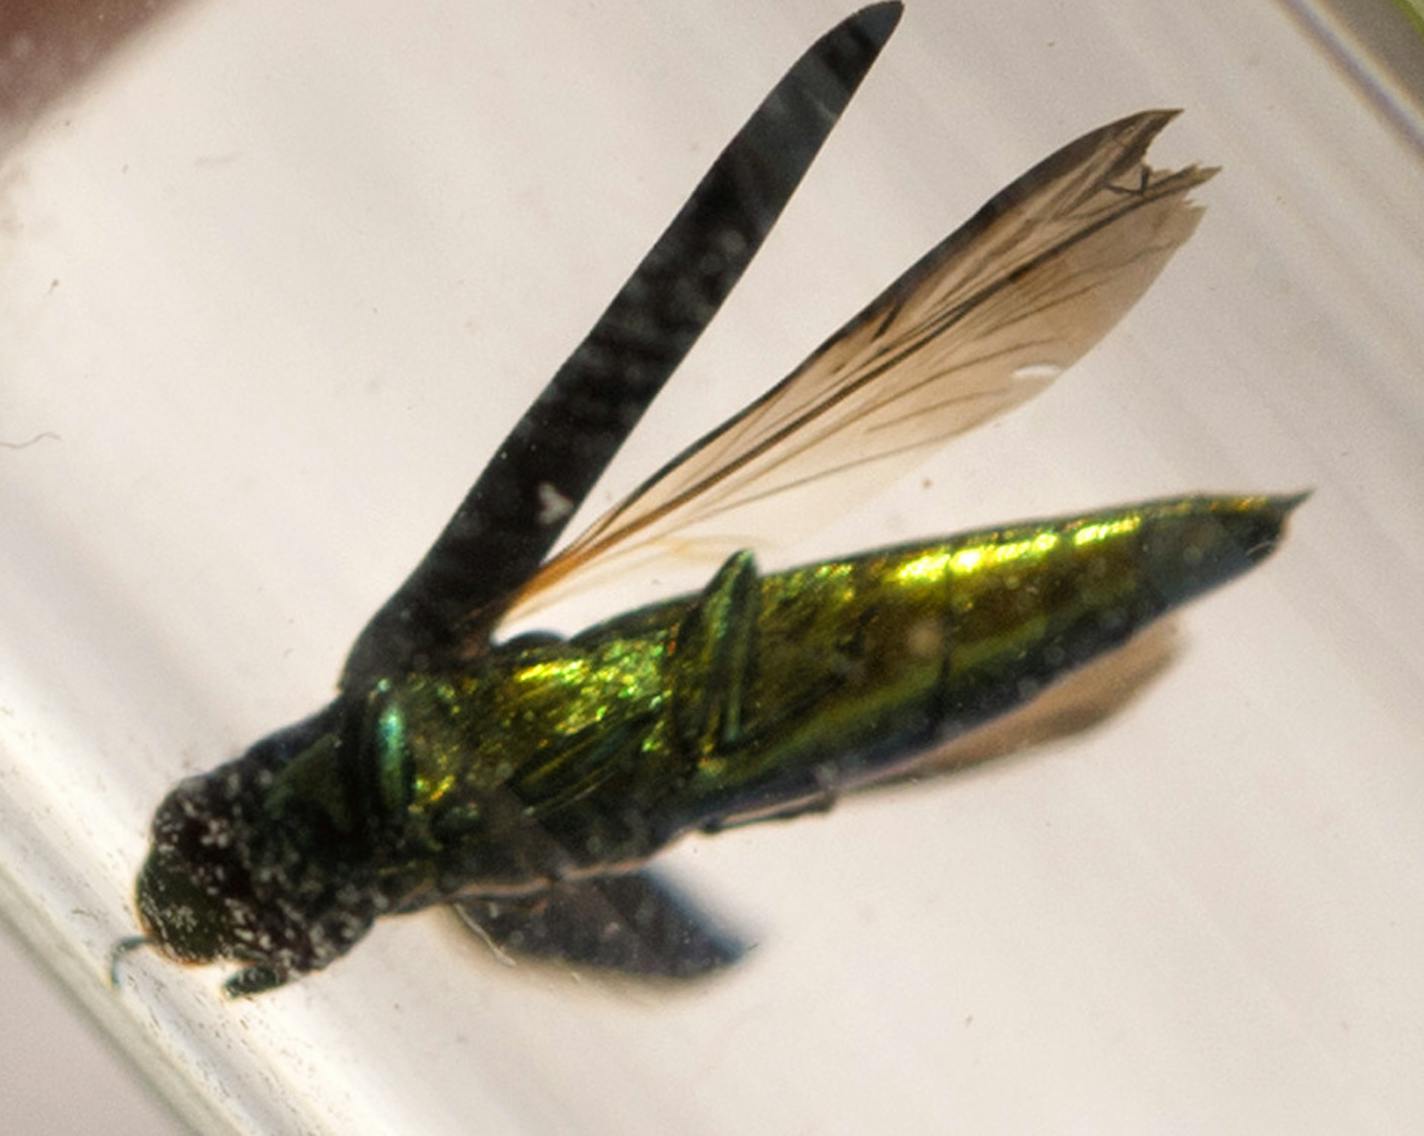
{"points": [[274, 282]]}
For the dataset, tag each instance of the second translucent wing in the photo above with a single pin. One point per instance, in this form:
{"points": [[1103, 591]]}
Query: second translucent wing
{"points": [[982, 322]]}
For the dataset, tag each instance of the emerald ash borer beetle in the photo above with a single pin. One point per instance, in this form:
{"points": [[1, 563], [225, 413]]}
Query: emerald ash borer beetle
{"points": [[528, 782]]}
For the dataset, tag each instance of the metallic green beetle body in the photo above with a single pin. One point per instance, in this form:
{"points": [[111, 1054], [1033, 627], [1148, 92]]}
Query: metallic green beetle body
{"points": [[527, 782], [766, 695], [548, 760]]}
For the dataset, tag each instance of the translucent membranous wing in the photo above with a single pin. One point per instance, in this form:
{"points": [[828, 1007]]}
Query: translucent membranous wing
{"points": [[982, 322]]}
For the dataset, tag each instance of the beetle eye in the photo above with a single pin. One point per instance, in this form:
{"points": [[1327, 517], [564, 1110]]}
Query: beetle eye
{"points": [[177, 914]]}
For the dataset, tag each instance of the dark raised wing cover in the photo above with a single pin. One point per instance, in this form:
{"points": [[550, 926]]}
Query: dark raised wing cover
{"points": [[502, 531]]}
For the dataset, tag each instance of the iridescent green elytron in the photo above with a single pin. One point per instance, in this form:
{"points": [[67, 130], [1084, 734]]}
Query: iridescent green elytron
{"points": [[554, 760], [528, 782]]}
